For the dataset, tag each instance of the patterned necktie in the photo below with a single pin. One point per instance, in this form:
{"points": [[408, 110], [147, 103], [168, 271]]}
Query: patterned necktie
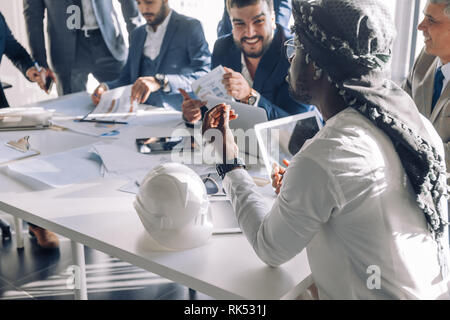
{"points": [[438, 83]]}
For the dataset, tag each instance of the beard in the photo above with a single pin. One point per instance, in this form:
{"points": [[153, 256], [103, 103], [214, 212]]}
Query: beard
{"points": [[301, 94], [257, 54], [159, 16]]}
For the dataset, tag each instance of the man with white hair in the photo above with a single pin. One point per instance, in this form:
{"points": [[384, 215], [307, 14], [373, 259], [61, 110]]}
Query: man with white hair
{"points": [[428, 82], [366, 195]]}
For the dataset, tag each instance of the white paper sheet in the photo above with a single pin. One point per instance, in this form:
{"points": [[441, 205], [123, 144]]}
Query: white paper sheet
{"points": [[61, 169], [119, 160], [211, 84], [8, 154], [89, 128]]}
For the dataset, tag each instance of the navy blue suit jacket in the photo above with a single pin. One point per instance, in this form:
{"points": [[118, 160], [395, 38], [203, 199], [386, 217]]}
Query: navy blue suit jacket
{"points": [[270, 77], [63, 41], [14, 51], [184, 53], [282, 8]]}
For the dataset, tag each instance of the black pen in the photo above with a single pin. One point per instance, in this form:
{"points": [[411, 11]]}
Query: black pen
{"points": [[102, 121]]}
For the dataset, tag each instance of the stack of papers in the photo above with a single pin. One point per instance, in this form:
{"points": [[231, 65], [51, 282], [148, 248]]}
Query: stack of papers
{"points": [[24, 118]]}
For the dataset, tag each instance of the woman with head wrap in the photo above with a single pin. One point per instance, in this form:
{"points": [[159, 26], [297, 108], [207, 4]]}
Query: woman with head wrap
{"points": [[367, 195]]}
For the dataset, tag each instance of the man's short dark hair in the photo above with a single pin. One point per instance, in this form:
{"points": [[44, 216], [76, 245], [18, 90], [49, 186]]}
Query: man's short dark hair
{"points": [[245, 3]]}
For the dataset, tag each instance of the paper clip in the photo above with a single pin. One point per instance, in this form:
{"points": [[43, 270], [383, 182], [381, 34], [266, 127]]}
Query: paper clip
{"points": [[21, 145]]}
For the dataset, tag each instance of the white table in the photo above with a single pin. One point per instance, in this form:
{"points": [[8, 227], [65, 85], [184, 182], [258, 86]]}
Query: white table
{"points": [[95, 214]]}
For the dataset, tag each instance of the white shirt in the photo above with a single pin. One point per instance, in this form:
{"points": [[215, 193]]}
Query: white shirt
{"points": [[248, 77], [347, 199], [446, 72], [90, 21], [154, 40]]}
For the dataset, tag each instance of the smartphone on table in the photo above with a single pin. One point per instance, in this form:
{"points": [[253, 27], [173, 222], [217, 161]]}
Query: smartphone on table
{"points": [[165, 144]]}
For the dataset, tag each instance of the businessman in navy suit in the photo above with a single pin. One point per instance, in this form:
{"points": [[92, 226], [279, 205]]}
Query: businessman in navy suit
{"points": [[165, 55], [282, 8], [84, 37], [22, 60], [19, 56], [255, 62]]}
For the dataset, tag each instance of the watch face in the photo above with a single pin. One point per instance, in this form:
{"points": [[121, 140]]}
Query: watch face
{"points": [[161, 79], [252, 100]]}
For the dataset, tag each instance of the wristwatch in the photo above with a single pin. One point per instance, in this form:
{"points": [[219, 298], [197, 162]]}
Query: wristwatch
{"points": [[222, 169], [163, 81], [251, 98]]}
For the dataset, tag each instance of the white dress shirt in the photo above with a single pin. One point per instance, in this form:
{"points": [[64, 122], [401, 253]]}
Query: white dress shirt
{"points": [[346, 198], [248, 77], [154, 40], [90, 21], [446, 72]]}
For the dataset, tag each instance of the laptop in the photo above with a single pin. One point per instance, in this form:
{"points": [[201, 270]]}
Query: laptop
{"points": [[283, 138], [248, 117]]}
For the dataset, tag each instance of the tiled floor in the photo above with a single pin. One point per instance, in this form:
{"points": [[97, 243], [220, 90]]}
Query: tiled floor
{"points": [[33, 273]]}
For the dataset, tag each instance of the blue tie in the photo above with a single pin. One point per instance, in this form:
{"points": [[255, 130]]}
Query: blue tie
{"points": [[438, 83]]}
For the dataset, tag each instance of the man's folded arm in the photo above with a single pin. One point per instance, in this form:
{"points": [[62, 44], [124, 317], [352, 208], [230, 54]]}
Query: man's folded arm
{"points": [[124, 78], [200, 60]]}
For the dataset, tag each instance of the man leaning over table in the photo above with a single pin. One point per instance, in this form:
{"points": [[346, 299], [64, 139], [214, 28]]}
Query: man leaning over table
{"points": [[166, 54]]}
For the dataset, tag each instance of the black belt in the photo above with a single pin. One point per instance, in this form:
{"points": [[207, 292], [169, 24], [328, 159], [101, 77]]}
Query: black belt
{"points": [[88, 33]]}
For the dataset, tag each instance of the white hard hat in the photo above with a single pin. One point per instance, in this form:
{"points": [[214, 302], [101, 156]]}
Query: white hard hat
{"points": [[172, 204]]}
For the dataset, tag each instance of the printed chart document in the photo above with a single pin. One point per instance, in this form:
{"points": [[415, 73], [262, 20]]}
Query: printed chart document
{"points": [[115, 105], [211, 84]]}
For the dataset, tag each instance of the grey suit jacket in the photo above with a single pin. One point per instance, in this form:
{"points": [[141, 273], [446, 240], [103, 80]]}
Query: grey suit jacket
{"points": [[62, 40], [419, 85]]}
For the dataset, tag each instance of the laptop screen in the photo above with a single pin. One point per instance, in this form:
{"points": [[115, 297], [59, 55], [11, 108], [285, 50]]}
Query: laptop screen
{"points": [[283, 138]]}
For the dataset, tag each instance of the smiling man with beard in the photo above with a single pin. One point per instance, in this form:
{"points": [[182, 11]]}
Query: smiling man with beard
{"points": [[165, 55], [366, 196], [254, 61], [428, 82]]}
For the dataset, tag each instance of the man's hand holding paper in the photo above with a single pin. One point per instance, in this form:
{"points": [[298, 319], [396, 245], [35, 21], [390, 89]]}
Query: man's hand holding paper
{"points": [[191, 107], [236, 85], [143, 88]]}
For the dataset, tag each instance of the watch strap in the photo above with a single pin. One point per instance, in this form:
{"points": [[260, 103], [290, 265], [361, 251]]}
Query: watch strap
{"points": [[223, 169]]}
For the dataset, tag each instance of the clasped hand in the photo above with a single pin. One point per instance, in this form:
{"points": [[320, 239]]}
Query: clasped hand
{"points": [[216, 131], [39, 77]]}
